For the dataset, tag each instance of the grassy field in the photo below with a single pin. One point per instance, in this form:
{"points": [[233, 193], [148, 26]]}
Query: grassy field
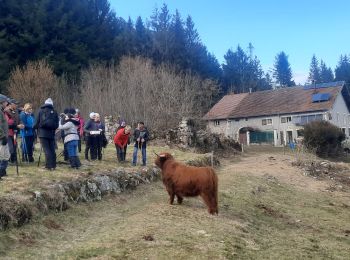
{"points": [[267, 210], [31, 177]]}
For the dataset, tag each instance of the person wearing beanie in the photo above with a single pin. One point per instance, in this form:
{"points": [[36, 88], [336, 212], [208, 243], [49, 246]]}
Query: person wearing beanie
{"points": [[87, 129], [47, 123], [3, 136], [96, 137], [49, 102]]}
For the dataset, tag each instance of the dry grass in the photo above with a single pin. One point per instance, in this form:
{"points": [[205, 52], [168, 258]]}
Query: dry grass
{"points": [[267, 210]]}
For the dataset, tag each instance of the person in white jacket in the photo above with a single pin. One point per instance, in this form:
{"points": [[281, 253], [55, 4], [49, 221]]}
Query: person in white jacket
{"points": [[69, 124]]}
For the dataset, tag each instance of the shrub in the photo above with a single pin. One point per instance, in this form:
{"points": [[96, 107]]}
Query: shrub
{"points": [[323, 138], [35, 82]]}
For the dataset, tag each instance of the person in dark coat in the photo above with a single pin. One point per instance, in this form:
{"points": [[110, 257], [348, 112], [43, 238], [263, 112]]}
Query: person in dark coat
{"points": [[47, 123], [141, 136], [88, 127], [97, 136]]}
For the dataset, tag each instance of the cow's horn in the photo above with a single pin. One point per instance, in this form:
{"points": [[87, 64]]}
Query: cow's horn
{"points": [[156, 154]]}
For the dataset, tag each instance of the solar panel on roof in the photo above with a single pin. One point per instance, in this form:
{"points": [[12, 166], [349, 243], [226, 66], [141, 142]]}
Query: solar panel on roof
{"points": [[320, 97], [325, 85]]}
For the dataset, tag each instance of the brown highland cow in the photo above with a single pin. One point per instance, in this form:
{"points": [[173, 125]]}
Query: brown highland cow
{"points": [[189, 181]]}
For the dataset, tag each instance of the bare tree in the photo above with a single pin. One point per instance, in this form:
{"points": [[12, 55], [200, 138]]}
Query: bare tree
{"points": [[35, 82], [136, 90]]}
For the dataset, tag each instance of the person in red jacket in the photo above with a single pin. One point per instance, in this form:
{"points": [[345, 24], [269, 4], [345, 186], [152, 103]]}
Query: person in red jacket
{"points": [[120, 141]]}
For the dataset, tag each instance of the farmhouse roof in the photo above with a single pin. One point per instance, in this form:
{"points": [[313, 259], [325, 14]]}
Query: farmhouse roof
{"points": [[273, 102]]}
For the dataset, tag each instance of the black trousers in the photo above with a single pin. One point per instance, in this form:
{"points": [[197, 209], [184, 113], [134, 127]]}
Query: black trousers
{"points": [[12, 148], [50, 153], [96, 147], [87, 147]]}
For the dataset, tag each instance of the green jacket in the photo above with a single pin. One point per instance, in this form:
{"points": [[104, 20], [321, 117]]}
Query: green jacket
{"points": [[3, 125]]}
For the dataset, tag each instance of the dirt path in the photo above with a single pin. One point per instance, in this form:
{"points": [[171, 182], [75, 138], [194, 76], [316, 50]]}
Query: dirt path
{"points": [[141, 225]]}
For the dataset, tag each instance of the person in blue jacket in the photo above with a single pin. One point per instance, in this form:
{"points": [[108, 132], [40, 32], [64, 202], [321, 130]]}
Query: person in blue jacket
{"points": [[27, 132]]}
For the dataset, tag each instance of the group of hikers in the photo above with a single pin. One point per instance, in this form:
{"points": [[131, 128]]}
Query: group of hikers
{"points": [[20, 123]]}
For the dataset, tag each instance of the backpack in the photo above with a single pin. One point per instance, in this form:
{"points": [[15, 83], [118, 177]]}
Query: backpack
{"points": [[49, 119]]}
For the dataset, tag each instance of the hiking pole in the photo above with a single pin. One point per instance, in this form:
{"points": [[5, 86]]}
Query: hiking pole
{"points": [[24, 147], [16, 149], [41, 149], [140, 149]]}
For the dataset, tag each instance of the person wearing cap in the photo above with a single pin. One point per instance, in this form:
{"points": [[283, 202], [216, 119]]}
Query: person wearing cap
{"points": [[3, 136], [27, 132], [47, 123], [87, 129], [11, 115]]}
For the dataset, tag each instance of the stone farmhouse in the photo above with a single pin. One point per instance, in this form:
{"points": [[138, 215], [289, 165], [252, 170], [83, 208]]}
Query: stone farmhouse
{"points": [[278, 116]]}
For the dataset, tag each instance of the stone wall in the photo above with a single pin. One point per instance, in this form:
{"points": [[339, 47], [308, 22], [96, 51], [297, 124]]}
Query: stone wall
{"points": [[17, 210], [111, 125]]}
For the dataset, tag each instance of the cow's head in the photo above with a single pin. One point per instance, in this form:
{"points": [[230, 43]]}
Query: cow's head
{"points": [[162, 158]]}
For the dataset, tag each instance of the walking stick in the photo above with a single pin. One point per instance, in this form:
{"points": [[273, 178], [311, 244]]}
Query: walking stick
{"points": [[25, 151], [16, 149], [140, 149], [41, 149]]}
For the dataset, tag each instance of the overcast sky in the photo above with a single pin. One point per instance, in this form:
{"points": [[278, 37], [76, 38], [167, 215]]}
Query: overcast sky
{"points": [[300, 28]]}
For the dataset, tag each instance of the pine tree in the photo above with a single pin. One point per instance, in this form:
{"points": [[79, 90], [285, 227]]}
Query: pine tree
{"points": [[342, 71], [314, 73], [142, 40], [326, 74], [282, 71], [160, 24]]}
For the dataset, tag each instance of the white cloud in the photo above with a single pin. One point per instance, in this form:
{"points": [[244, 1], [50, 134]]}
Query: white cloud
{"points": [[300, 77]]}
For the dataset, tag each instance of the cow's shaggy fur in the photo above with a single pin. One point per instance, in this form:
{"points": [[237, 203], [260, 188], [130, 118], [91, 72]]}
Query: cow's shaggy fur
{"points": [[181, 181]]}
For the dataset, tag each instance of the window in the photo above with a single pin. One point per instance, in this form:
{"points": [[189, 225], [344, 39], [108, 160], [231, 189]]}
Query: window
{"points": [[300, 133], [349, 131], [216, 122], [343, 130], [267, 121], [303, 120], [286, 119], [344, 118]]}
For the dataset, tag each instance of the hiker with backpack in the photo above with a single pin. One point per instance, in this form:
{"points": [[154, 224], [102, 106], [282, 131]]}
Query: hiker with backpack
{"points": [[47, 123], [69, 124]]}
